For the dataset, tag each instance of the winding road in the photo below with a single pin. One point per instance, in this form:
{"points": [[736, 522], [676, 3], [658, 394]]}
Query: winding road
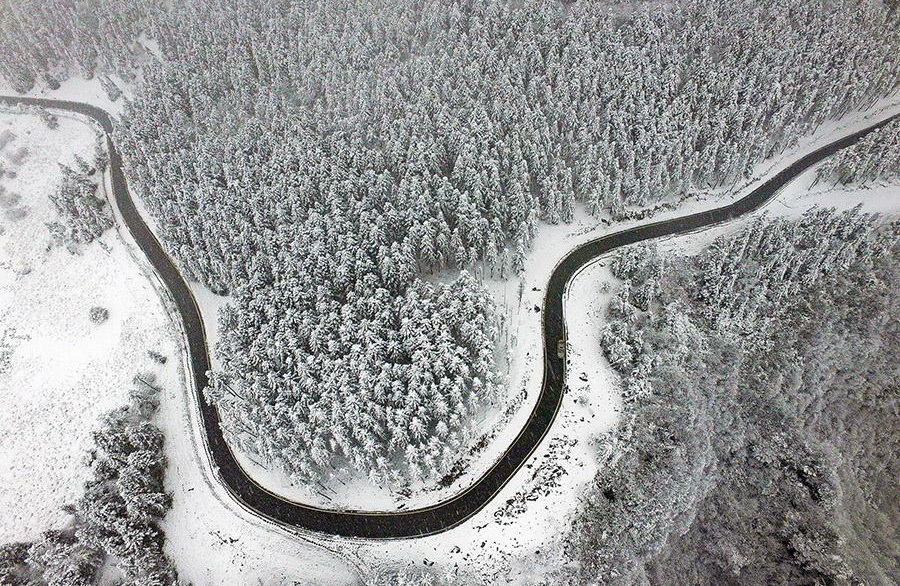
{"points": [[457, 509]]}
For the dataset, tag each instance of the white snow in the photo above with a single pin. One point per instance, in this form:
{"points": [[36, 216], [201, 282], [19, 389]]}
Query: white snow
{"points": [[64, 370]]}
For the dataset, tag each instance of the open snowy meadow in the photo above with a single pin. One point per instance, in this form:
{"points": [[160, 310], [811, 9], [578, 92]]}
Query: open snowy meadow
{"points": [[59, 370]]}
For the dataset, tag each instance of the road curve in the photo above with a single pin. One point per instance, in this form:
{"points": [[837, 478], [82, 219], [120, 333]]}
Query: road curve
{"points": [[457, 509]]}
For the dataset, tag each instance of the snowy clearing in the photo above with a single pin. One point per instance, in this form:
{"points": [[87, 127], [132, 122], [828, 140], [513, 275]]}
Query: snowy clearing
{"points": [[63, 371]]}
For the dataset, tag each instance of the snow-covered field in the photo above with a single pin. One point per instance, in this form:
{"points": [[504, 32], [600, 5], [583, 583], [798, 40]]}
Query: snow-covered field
{"points": [[63, 371]]}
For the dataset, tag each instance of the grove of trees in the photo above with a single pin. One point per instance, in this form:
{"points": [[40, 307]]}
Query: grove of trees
{"points": [[84, 215], [115, 523], [45, 41], [759, 440]]}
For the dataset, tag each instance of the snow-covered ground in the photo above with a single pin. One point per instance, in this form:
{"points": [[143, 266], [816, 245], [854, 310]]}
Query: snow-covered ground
{"points": [[506, 539], [504, 543], [63, 371]]}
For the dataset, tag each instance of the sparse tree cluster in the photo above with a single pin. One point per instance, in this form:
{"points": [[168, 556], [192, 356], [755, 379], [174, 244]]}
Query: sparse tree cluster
{"points": [[761, 447], [83, 213], [9, 339], [116, 521], [876, 157]]}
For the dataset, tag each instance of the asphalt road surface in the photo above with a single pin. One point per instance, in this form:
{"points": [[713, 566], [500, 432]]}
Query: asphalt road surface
{"points": [[455, 510]]}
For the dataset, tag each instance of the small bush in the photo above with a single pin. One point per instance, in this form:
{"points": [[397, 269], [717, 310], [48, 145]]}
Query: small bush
{"points": [[101, 157], [112, 90], [6, 137], [49, 118], [51, 81], [18, 156], [99, 314]]}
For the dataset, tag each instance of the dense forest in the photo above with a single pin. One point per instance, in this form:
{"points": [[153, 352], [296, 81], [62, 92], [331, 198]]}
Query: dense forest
{"points": [[347, 171], [114, 535], [319, 162], [759, 438], [874, 158], [66, 37]]}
